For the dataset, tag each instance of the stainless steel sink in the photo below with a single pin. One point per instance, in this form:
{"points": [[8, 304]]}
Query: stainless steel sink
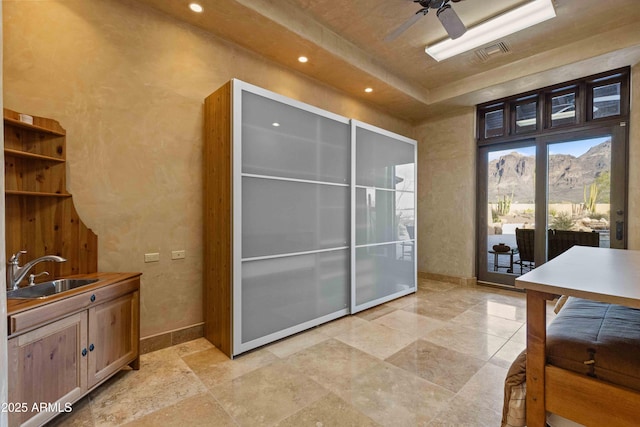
{"points": [[45, 289]]}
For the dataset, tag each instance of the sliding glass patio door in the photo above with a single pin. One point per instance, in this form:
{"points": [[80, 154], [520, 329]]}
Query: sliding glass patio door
{"points": [[540, 197], [507, 188], [552, 173]]}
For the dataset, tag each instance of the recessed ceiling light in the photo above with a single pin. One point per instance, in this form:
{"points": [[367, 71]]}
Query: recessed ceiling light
{"points": [[368, 90], [303, 59], [196, 7], [275, 124]]}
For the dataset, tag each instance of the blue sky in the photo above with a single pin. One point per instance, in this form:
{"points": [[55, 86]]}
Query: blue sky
{"points": [[574, 148]]}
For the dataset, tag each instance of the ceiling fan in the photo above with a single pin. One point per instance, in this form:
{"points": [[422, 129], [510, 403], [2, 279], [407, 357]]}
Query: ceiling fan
{"points": [[445, 13]]}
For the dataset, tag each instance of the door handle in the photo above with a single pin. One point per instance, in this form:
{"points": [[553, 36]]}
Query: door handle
{"points": [[619, 229]]}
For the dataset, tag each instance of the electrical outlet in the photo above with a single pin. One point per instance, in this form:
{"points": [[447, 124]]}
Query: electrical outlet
{"points": [[152, 257], [178, 254]]}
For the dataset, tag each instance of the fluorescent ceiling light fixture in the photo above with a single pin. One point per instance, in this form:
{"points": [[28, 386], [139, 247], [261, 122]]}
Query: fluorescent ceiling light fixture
{"points": [[195, 7], [508, 23]]}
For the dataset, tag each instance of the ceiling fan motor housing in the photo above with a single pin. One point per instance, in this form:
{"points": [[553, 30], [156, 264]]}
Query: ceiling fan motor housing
{"points": [[433, 4]]}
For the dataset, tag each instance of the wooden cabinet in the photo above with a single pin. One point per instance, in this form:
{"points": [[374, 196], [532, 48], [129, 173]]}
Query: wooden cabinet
{"points": [[60, 351], [113, 337], [46, 365], [40, 215]]}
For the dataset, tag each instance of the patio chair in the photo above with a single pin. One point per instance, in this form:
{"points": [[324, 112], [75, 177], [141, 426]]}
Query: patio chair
{"points": [[561, 240], [524, 240]]}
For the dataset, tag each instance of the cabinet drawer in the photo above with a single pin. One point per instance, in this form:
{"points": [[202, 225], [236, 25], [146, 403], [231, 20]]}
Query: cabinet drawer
{"points": [[24, 321]]}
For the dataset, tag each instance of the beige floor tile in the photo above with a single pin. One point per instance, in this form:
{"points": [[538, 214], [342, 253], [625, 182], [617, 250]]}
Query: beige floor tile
{"points": [[520, 335], [268, 395], [328, 411], [290, 345], [214, 367], [439, 365], [486, 387], [201, 410], [509, 297], [377, 340], [493, 325], [333, 364], [470, 295], [194, 346], [163, 380], [508, 353], [375, 312], [439, 307], [435, 285], [342, 325], [409, 323], [468, 341], [317, 379], [461, 412], [502, 309], [394, 397], [80, 416], [404, 301]]}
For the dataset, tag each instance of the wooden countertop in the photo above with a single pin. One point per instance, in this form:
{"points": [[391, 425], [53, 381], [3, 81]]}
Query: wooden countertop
{"points": [[15, 306]]}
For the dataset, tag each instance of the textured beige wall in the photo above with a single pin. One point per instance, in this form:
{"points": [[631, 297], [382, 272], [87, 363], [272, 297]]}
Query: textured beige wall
{"points": [[634, 161], [446, 195], [4, 421], [128, 84]]}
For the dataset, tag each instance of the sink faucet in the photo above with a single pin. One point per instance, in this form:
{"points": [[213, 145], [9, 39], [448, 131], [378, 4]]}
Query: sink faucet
{"points": [[15, 273]]}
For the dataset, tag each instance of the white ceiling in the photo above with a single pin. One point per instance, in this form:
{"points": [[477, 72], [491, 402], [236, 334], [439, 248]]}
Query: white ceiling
{"points": [[344, 40]]}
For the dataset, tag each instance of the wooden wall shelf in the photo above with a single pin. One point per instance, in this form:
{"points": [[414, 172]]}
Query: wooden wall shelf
{"points": [[40, 124], [40, 215], [23, 154], [34, 194]]}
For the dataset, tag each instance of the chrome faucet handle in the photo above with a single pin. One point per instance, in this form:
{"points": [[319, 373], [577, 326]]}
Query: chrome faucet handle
{"points": [[15, 258], [33, 276]]}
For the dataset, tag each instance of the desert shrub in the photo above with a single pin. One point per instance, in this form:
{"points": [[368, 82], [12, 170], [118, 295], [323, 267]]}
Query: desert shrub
{"points": [[598, 216], [562, 221]]}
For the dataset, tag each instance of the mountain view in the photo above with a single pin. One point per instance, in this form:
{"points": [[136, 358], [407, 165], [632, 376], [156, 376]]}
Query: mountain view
{"points": [[514, 173]]}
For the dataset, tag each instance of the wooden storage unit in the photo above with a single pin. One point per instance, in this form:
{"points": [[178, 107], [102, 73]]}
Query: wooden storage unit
{"points": [[280, 185], [61, 350], [40, 215]]}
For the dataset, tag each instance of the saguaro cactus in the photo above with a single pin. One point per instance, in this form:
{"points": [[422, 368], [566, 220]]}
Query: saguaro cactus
{"points": [[590, 199]]}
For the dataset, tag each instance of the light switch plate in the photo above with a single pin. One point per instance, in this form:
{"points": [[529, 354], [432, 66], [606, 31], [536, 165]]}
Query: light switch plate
{"points": [[152, 257], [178, 254]]}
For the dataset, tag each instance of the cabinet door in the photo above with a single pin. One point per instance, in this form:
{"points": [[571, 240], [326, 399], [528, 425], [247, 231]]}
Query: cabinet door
{"points": [[383, 224], [47, 366], [113, 336]]}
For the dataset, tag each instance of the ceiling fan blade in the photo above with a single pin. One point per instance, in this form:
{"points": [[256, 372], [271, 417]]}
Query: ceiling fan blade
{"points": [[408, 23], [451, 21]]}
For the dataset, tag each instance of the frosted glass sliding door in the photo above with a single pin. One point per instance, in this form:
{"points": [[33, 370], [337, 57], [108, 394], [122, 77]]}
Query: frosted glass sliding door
{"points": [[383, 192], [292, 165]]}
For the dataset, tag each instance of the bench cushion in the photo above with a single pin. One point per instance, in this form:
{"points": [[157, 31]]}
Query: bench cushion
{"points": [[597, 339]]}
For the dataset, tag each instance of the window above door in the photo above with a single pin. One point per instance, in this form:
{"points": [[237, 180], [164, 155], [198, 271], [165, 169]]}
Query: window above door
{"points": [[591, 100]]}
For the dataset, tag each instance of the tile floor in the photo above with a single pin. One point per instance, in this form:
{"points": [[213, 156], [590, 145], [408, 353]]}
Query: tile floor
{"points": [[435, 358]]}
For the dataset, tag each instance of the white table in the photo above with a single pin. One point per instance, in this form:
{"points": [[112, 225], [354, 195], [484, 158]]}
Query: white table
{"points": [[599, 274]]}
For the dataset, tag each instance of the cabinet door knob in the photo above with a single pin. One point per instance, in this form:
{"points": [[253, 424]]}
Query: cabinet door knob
{"points": [[84, 352], [91, 347], [93, 298]]}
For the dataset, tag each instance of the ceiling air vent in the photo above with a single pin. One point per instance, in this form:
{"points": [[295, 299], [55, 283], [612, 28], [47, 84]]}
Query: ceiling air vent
{"points": [[487, 52]]}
